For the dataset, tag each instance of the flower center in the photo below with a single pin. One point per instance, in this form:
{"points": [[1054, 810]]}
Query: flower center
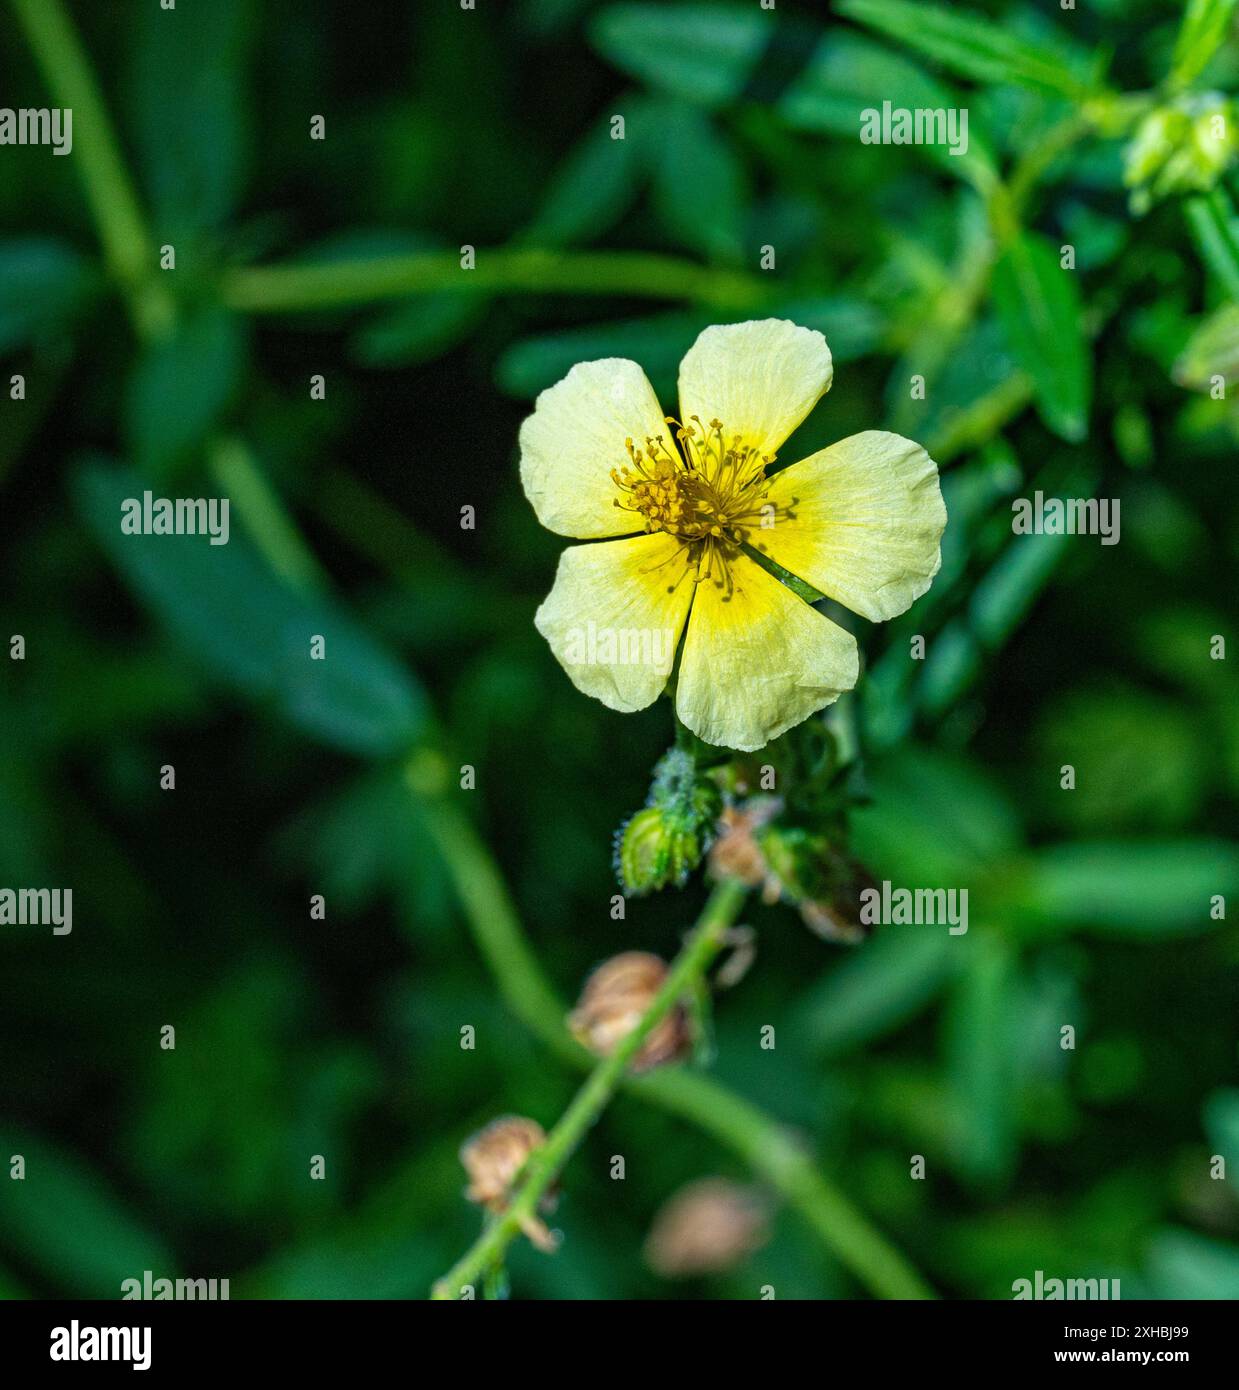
{"points": [[710, 493]]}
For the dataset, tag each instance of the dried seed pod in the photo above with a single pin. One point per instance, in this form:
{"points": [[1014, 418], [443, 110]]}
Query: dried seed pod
{"points": [[493, 1157], [736, 852], [616, 997], [706, 1228]]}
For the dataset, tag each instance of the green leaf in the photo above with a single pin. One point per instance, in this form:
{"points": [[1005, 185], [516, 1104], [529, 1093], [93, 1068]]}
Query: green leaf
{"points": [[253, 632], [598, 181], [191, 110], [1212, 350], [1222, 1126], [180, 388], [1202, 33], [875, 990], [981, 1046], [64, 1221], [1039, 305], [43, 284], [700, 188], [1135, 888], [1181, 1264], [703, 52], [976, 46]]}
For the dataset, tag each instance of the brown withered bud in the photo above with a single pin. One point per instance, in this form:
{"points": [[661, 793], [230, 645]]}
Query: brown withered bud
{"points": [[493, 1157], [736, 853], [613, 1002], [708, 1227]]}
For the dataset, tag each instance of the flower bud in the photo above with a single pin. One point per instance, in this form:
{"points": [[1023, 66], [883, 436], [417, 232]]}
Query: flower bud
{"points": [[664, 842], [615, 999], [1180, 148], [493, 1159], [708, 1227]]}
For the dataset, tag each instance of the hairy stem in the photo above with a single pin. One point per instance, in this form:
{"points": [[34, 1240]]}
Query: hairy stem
{"points": [[706, 940]]}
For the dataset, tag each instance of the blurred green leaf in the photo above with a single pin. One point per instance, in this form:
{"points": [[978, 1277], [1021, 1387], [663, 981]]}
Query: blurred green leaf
{"points": [[1222, 1126], [974, 46], [43, 284], [703, 52], [190, 98], [1181, 1264], [1212, 350], [1039, 305], [1202, 33], [699, 185], [875, 989], [181, 387], [1139, 888], [599, 180], [254, 633], [64, 1221]]}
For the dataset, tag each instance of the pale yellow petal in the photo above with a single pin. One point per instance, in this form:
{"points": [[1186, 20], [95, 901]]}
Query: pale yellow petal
{"points": [[759, 378], [611, 621], [866, 519], [576, 436], [759, 662]]}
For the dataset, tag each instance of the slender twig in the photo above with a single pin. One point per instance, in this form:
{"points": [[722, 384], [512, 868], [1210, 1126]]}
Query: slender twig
{"points": [[296, 287], [764, 1144], [705, 941]]}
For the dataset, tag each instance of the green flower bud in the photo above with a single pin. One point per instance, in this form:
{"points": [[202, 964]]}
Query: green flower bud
{"points": [[664, 842], [1180, 148]]}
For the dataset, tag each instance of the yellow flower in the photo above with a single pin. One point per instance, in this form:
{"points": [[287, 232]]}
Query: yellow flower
{"points": [[677, 510]]}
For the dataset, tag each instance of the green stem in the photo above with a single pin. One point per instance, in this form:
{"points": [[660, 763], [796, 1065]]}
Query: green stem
{"points": [[339, 284], [109, 190], [1210, 216], [728, 1118], [706, 940]]}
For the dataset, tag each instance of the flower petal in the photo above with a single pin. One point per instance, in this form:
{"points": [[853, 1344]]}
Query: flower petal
{"points": [[758, 662], [867, 519], [759, 378], [574, 438], [610, 620]]}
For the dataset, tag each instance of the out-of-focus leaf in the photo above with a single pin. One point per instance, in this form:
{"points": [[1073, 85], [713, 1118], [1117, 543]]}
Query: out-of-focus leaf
{"points": [[981, 1048], [43, 284], [703, 52], [181, 387], [254, 633], [599, 179], [1181, 1264], [934, 821], [1202, 33], [1039, 305], [417, 329], [191, 110], [699, 185], [974, 46], [63, 1220], [1006, 593], [876, 989], [1212, 350], [1137, 888], [1222, 1127]]}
